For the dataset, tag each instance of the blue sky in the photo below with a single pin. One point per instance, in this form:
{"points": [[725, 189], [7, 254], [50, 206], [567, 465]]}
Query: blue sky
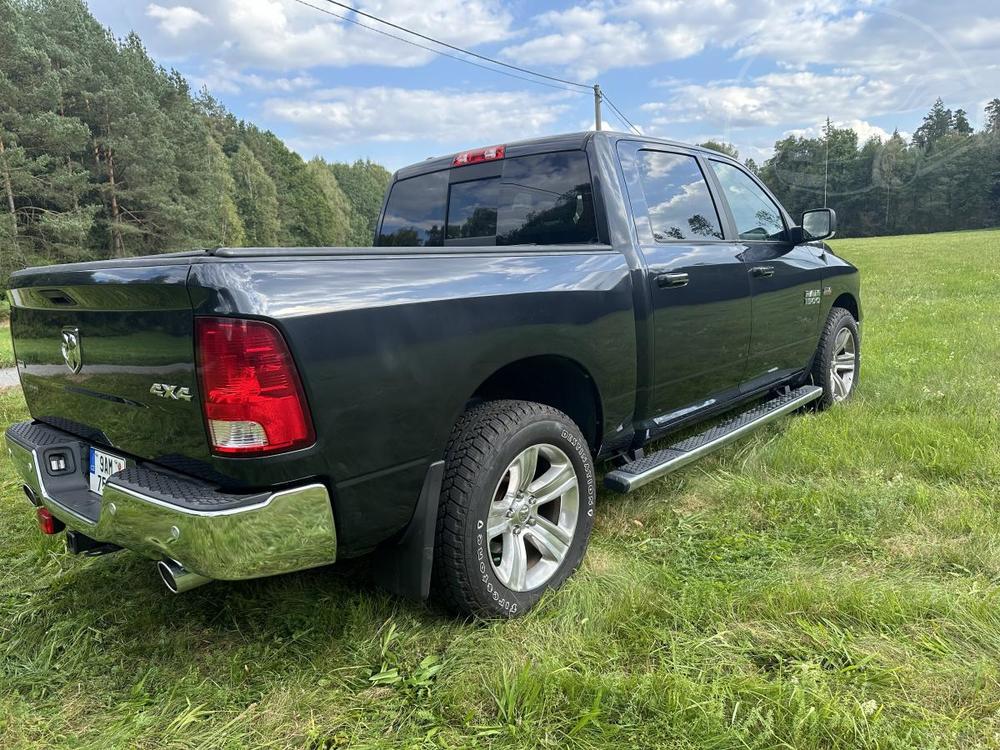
{"points": [[746, 71]]}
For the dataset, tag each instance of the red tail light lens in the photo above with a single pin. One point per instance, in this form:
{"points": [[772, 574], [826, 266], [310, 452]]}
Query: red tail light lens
{"points": [[250, 389], [48, 523]]}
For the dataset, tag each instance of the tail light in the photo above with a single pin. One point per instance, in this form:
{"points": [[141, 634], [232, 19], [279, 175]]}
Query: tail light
{"points": [[48, 523], [250, 389], [491, 153]]}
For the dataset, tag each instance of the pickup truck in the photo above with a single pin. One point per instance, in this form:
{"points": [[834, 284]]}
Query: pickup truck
{"points": [[439, 401]]}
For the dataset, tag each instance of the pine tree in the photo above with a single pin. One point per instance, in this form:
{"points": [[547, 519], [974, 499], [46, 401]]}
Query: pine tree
{"points": [[960, 123], [936, 124], [993, 116]]}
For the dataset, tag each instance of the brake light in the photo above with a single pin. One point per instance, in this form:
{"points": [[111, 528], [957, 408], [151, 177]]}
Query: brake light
{"points": [[491, 153], [47, 522], [250, 389]]}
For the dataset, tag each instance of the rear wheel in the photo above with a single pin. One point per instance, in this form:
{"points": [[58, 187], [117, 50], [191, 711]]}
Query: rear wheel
{"points": [[516, 510], [838, 358]]}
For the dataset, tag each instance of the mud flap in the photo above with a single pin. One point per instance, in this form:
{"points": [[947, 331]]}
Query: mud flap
{"points": [[404, 567]]}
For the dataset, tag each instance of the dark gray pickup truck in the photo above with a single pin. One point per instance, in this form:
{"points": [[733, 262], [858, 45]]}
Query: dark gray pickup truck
{"points": [[439, 400]]}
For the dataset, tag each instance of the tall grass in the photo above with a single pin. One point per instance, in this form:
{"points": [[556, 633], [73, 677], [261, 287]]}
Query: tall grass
{"points": [[830, 582]]}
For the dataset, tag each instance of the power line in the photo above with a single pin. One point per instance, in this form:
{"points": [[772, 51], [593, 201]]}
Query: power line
{"points": [[435, 51], [458, 49], [560, 84], [623, 118]]}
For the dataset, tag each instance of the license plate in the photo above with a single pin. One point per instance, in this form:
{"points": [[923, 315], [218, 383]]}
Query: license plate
{"points": [[102, 466]]}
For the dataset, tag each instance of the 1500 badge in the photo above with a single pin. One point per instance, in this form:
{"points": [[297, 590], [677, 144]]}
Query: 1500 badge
{"points": [[812, 296], [176, 392]]}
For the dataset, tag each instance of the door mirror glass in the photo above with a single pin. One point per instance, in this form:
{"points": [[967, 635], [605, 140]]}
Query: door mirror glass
{"points": [[819, 224]]}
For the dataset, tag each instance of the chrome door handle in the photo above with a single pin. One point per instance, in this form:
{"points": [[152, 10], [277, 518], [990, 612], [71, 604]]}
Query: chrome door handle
{"points": [[762, 271], [671, 280]]}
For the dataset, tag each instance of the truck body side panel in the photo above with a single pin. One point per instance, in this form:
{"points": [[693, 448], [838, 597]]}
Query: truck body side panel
{"points": [[391, 349]]}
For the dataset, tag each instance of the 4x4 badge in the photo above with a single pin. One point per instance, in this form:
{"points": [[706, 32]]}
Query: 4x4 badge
{"points": [[71, 349], [176, 392]]}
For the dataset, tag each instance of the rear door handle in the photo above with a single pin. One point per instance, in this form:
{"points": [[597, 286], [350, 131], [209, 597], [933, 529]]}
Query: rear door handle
{"points": [[762, 271], [671, 280]]}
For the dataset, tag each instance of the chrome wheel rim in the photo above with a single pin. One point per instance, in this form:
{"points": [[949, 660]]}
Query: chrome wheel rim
{"points": [[843, 365], [532, 518]]}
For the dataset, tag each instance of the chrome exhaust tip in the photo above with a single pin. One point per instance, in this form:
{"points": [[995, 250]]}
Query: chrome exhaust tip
{"points": [[179, 579], [30, 494]]}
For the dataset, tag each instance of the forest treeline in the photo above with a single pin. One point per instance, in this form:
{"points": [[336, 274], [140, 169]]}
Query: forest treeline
{"points": [[104, 154], [945, 177]]}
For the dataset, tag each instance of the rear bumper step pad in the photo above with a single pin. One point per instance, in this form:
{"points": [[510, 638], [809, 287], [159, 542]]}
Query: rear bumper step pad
{"points": [[637, 473]]}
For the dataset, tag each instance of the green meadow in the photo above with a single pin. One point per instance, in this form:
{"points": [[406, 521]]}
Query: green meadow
{"points": [[831, 582]]}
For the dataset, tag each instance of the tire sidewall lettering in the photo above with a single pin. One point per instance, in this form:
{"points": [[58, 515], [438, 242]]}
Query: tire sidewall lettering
{"points": [[510, 602]]}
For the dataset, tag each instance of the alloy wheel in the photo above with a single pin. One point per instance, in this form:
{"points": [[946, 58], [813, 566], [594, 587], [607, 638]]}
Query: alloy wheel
{"points": [[533, 516], [843, 364]]}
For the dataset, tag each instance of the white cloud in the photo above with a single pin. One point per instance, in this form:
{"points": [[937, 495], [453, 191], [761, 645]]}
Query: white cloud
{"points": [[777, 98], [223, 79], [452, 117], [280, 35], [605, 35], [177, 19]]}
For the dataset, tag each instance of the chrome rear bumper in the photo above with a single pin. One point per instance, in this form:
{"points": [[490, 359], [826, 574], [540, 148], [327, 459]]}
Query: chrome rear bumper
{"points": [[161, 516]]}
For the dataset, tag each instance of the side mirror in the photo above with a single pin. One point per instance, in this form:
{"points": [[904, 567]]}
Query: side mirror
{"points": [[818, 224]]}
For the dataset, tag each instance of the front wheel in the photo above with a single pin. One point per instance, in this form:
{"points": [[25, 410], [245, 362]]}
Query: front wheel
{"points": [[838, 358], [516, 509]]}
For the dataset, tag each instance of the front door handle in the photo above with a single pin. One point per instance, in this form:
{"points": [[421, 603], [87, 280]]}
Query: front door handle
{"points": [[762, 271], [671, 280]]}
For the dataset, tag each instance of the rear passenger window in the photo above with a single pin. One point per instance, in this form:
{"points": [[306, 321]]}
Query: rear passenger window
{"points": [[677, 198], [414, 213], [546, 200]]}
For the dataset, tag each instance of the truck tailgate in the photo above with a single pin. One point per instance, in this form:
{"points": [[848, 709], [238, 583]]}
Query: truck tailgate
{"points": [[107, 353]]}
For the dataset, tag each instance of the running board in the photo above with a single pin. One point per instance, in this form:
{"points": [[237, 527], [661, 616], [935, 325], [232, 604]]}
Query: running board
{"points": [[637, 473]]}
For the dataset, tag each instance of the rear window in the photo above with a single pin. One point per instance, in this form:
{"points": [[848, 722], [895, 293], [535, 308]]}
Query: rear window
{"points": [[540, 199], [472, 209]]}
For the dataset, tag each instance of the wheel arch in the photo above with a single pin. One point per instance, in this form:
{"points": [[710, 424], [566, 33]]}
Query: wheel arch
{"points": [[554, 380], [849, 302]]}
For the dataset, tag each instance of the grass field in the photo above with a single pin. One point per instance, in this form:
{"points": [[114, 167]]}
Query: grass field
{"points": [[832, 581]]}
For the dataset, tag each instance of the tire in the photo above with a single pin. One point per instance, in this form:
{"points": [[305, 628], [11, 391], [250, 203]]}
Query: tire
{"points": [[838, 379], [488, 470]]}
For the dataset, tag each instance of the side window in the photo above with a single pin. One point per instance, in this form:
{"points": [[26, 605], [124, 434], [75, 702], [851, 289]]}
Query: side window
{"points": [[472, 209], [547, 200], [414, 213], [757, 216], [677, 198]]}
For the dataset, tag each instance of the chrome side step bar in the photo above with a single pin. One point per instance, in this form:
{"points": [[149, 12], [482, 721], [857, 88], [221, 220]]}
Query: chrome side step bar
{"points": [[637, 473]]}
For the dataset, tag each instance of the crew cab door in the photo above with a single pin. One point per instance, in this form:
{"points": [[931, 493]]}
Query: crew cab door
{"points": [[785, 279], [697, 282]]}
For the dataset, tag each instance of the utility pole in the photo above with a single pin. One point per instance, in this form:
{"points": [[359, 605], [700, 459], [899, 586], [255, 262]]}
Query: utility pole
{"points": [[597, 106], [826, 161]]}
